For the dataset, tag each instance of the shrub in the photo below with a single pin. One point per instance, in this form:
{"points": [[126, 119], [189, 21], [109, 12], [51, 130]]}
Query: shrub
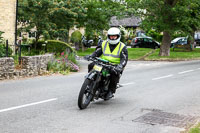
{"points": [[3, 50], [53, 46], [76, 37], [155, 35], [58, 47], [3, 47], [63, 64]]}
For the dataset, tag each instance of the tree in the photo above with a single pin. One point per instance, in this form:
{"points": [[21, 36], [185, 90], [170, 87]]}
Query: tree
{"points": [[35, 15], [65, 15], [51, 18], [99, 13], [166, 16], [192, 22]]}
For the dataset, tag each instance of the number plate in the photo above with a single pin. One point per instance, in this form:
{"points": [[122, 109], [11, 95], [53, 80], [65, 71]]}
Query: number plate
{"points": [[97, 68]]}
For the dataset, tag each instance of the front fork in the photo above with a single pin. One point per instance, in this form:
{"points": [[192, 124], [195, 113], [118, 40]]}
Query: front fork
{"points": [[95, 77]]}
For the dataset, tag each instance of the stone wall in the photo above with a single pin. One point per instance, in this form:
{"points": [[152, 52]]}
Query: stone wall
{"points": [[31, 66], [7, 19], [6, 68]]}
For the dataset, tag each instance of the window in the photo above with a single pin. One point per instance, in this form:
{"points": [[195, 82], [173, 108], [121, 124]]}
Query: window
{"points": [[146, 40]]}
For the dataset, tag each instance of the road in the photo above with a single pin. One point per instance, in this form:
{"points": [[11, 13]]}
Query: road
{"points": [[156, 97]]}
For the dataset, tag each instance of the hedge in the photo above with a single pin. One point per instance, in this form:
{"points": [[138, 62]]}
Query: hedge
{"points": [[54, 46]]}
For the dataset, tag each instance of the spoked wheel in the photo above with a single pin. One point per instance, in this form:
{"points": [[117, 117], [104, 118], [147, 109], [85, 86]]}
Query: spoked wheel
{"points": [[85, 94]]}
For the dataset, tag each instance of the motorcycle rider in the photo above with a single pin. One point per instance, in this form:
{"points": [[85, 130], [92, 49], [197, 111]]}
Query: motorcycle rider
{"points": [[116, 53]]}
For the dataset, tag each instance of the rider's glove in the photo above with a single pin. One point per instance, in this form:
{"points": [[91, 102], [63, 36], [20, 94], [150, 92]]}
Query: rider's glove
{"points": [[119, 68]]}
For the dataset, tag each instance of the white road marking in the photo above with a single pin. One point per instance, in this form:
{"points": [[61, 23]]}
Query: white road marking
{"points": [[167, 76], [27, 105], [186, 71], [128, 83]]}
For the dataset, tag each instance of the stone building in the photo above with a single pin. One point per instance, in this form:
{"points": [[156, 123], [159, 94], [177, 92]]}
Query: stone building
{"points": [[8, 19]]}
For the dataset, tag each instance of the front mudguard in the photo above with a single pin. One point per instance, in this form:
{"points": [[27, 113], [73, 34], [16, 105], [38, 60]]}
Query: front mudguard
{"points": [[91, 75]]}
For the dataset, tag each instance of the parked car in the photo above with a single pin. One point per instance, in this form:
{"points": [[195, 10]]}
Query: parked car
{"points": [[197, 42], [144, 42], [179, 41]]}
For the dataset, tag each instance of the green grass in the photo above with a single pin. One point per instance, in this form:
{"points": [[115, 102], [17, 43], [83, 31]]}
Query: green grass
{"points": [[133, 53], [86, 52], [195, 129], [176, 55], [139, 53]]}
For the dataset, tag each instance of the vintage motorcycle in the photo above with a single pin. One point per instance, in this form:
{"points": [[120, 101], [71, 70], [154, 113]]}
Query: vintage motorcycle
{"points": [[96, 82]]}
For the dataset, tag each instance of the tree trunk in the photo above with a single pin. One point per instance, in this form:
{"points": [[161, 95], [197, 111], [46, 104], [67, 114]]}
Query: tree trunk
{"points": [[36, 40], [83, 48], [191, 41], [166, 42]]}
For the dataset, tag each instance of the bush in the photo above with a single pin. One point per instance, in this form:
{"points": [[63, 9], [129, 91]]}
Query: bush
{"points": [[3, 50], [76, 37], [3, 47], [58, 47], [155, 35], [63, 64], [52, 46]]}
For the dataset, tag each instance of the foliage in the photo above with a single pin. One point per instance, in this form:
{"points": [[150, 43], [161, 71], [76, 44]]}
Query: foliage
{"points": [[52, 46], [155, 35], [76, 36], [63, 64], [35, 14], [58, 46], [98, 15], [123, 34], [3, 47], [65, 15], [3, 50], [51, 18], [167, 16]]}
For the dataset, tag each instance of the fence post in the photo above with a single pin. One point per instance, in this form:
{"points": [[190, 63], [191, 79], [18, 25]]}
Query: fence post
{"points": [[19, 46], [6, 48]]}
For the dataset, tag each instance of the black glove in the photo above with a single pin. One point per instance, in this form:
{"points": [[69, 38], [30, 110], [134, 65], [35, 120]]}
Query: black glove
{"points": [[87, 57], [119, 68]]}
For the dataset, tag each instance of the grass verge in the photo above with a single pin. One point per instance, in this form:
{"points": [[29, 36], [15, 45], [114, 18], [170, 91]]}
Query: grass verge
{"points": [[152, 55], [176, 55], [133, 53], [196, 129]]}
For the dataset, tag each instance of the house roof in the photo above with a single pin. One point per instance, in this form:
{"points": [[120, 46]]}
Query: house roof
{"points": [[126, 22]]}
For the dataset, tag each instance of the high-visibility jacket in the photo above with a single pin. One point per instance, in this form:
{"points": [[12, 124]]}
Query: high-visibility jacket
{"points": [[114, 56]]}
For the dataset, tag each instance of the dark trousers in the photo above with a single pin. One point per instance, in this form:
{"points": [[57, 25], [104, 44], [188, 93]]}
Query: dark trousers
{"points": [[114, 78]]}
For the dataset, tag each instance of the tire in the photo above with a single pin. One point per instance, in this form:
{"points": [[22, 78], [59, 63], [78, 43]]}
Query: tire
{"points": [[85, 93]]}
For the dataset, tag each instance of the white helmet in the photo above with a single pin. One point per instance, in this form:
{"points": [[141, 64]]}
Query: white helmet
{"points": [[114, 31]]}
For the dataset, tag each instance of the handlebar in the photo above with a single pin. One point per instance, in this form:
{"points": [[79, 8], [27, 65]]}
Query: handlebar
{"points": [[101, 62]]}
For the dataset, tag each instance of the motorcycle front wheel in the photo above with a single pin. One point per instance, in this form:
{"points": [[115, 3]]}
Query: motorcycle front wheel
{"points": [[85, 94]]}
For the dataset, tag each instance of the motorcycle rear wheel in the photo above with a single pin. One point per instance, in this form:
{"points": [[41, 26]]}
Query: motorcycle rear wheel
{"points": [[85, 95]]}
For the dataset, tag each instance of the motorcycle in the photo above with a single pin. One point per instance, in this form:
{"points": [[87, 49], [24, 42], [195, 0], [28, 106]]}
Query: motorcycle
{"points": [[87, 43], [96, 82]]}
